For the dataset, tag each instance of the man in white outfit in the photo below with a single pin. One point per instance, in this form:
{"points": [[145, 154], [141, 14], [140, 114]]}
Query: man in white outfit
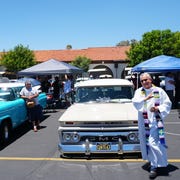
{"points": [[153, 106]]}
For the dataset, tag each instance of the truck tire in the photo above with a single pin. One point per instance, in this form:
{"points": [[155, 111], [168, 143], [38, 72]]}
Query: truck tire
{"points": [[5, 132]]}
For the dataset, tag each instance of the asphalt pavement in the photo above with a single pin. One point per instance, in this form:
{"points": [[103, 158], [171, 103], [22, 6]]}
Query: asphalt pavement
{"points": [[35, 156]]}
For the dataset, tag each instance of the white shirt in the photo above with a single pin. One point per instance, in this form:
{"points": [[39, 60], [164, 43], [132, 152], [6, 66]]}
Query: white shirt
{"points": [[29, 92], [67, 87]]}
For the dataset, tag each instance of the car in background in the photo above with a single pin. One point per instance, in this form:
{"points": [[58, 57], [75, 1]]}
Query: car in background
{"points": [[4, 80], [105, 76], [78, 80], [162, 83], [13, 80], [102, 120], [13, 111]]}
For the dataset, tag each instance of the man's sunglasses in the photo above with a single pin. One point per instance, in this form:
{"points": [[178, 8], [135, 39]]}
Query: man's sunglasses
{"points": [[144, 80]]}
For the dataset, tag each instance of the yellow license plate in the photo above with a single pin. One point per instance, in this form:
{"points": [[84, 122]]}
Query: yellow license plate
{"points": [[103, 146]]}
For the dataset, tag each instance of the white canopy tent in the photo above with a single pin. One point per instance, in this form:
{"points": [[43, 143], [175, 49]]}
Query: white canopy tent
{"points": [[51, 67]]}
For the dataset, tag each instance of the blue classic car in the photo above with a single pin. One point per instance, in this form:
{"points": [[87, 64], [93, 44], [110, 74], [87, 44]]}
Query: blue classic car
{"points": [[13, 110]]}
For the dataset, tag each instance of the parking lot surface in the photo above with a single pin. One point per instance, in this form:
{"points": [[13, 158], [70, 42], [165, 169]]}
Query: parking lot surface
{"points": [[31, 156]]}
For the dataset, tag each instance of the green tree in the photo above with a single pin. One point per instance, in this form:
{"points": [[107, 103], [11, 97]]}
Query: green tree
{"points": [[123, 43], [154, 43], [82, 62], [17, 59], [176, 45], [68, 46]]}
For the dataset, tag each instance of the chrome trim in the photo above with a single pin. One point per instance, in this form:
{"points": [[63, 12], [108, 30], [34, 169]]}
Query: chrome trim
{"points": [[87, 144], [120, 146], [129, 128], [90, 148], [96, 131], [87, 148]]}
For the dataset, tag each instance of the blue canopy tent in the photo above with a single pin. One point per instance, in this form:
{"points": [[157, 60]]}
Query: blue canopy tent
{"points": [[159, 64], [50, 67]]}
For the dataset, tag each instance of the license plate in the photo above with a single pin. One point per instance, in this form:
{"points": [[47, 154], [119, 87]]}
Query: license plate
{"points": [[103, 146]]}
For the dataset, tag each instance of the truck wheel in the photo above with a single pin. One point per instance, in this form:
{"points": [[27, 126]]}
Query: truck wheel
{"points": [[5, 132]]}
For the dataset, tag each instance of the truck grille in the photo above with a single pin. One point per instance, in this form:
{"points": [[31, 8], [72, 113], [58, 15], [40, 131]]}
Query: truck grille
{"points": [[103, 138]]}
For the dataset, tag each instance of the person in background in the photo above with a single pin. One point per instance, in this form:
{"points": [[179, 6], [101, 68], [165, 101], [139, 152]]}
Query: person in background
{"points": [[153, 105], [45, 85], [177, 91], [170, 86], [135, 81], [56, 88], [156, 80], [67, 88], [30, 94]]}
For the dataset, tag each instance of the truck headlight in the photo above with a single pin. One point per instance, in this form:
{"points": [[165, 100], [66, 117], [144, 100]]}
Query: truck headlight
{"points": [[75, 137], [71, 137], [133, 137], [67, 136]]}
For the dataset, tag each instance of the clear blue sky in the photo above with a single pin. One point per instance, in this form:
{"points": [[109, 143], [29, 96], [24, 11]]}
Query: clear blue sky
{"points": [[53, 24]]}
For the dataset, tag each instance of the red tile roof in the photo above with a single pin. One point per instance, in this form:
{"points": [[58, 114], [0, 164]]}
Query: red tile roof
{"points": [[95, 54]]}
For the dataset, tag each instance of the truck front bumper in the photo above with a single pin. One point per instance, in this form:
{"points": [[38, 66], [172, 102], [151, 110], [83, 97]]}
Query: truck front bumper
{"points": [[89, 148]]}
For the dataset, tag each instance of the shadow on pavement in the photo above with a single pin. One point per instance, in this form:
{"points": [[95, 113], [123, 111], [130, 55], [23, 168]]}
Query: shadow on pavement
{"points": [[20, 131], [162, 171]]}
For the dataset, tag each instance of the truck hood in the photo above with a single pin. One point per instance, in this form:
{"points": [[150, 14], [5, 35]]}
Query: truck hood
{"points": [[100, 112]]}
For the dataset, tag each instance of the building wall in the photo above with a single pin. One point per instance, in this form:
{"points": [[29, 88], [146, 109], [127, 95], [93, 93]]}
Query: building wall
{"points": [[116, 71]]}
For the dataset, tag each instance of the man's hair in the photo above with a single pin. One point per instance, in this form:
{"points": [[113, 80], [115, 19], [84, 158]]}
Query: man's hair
{"points": [[28, 82], [146, 74]]}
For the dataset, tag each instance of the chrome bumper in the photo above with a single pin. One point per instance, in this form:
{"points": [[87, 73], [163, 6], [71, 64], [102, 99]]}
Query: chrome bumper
{"points": [[89, 147]]}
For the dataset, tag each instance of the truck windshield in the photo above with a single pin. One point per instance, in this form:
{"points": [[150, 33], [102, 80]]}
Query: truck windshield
{"points": [[87, 94], [6, 94]]}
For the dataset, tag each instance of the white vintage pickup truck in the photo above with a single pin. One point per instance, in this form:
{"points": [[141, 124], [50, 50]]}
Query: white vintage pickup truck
{"points": [[102, 120]]}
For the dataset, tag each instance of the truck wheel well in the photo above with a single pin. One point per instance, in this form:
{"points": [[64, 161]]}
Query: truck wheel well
{"points": [[8, 121], [5, 131]]}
